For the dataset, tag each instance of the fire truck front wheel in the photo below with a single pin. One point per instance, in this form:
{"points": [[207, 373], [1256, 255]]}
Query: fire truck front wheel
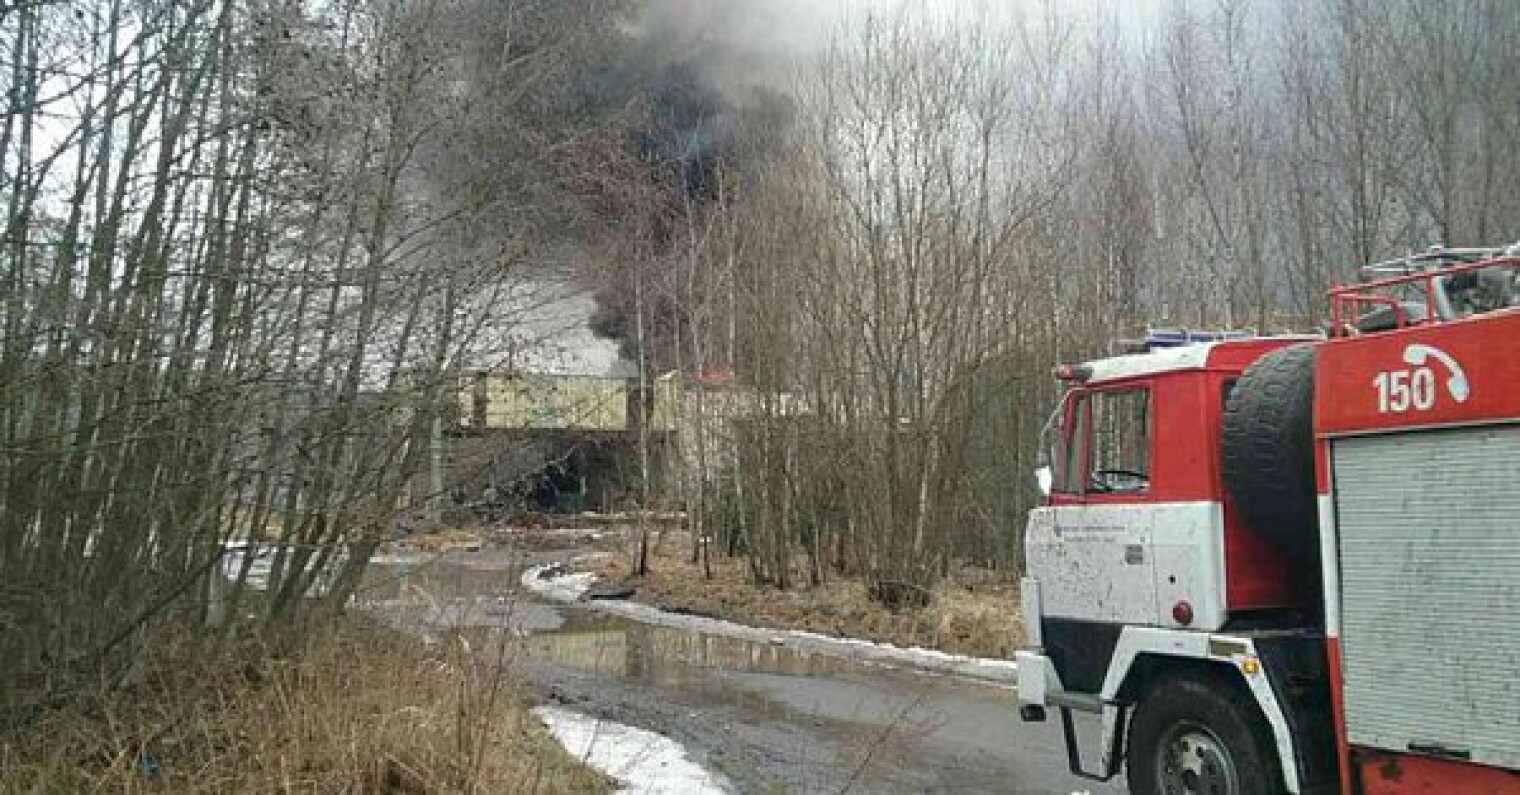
{"points": [[1201, 733]]}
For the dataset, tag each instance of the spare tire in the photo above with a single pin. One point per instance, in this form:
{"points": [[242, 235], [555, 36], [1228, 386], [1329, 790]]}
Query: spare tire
{"points": [[1267, 453]]}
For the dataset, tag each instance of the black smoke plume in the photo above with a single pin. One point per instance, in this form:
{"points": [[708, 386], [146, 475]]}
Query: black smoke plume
{"points": [[699, 136]]}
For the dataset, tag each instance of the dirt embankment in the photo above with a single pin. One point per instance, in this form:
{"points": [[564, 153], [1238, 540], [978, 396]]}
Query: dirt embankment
{"points": [[975, 612], [358, 709]]}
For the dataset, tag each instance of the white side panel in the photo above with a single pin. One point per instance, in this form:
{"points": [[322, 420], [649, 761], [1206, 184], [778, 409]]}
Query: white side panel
{"points": [[1129, 563], [1189, 554], [1429, 528]]}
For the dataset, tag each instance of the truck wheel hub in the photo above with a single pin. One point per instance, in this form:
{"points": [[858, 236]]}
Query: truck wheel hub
{"points": [[1195, 761]]}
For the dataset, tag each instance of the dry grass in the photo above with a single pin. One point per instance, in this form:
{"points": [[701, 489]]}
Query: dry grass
{"points": [[446, 539], [972, 613], [361, 710]]}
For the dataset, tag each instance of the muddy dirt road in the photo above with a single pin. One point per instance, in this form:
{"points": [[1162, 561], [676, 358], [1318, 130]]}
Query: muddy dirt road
{"points": [[768, 718]]}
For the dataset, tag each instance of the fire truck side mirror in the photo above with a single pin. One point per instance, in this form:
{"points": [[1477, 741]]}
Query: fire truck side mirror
{"points": [[1045, 458]]}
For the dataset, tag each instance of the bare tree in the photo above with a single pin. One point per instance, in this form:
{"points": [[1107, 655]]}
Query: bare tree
{"points": [[247, 249]]}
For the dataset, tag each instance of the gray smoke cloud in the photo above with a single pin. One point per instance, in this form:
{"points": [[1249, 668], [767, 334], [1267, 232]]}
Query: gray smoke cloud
{"points": [[718, 73]]}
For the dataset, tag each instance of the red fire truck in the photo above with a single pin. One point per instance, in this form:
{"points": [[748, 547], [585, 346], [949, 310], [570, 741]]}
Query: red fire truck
{"points": [[1292, 564]]}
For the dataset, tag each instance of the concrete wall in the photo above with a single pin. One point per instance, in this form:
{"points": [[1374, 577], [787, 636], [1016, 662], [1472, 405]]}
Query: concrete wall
{"points": [[561, 402]]}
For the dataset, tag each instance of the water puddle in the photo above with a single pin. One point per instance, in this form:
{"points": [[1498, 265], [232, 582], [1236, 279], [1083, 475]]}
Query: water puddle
{"points": [[472, 596], [436, 594], [441, 577], [786, 715], [616, 647]]}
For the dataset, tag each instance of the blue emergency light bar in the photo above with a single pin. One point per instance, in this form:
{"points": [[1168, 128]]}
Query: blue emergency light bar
{"points": [[1177, 337]]}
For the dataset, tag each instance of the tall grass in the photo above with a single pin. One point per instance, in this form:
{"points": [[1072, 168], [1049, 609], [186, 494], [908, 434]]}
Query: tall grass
{"points": [[357, 709]]}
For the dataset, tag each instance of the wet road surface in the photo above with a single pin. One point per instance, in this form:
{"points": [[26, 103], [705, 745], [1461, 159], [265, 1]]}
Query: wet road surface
{"points": [[770, 718]]}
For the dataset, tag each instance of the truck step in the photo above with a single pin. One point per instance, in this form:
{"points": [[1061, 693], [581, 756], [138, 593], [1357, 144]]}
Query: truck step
{"points": [[1079, 702]]}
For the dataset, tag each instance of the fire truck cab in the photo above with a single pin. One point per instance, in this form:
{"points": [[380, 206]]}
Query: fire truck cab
{"points": [[1292, 564]]}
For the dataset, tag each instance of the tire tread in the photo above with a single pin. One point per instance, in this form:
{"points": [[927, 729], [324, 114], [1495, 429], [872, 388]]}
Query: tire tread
{"points": [[1267, 451], [1205, 694]]}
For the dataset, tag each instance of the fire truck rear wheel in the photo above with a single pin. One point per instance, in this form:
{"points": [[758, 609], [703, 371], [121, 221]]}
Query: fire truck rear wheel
{"points": [[1267, 454], [1201, 733]]}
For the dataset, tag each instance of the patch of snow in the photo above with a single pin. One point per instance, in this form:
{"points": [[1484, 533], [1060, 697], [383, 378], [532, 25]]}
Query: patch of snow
{"points": [[644, 762], [259, 558], [563, 587], [403, 558], [998, 670], [554, 582], [237, 553]]}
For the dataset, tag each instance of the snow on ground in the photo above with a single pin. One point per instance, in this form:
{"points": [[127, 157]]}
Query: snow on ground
{"points": [[259, 558], [642, 761], [562, 586], [236, 556], [556, 583]]}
